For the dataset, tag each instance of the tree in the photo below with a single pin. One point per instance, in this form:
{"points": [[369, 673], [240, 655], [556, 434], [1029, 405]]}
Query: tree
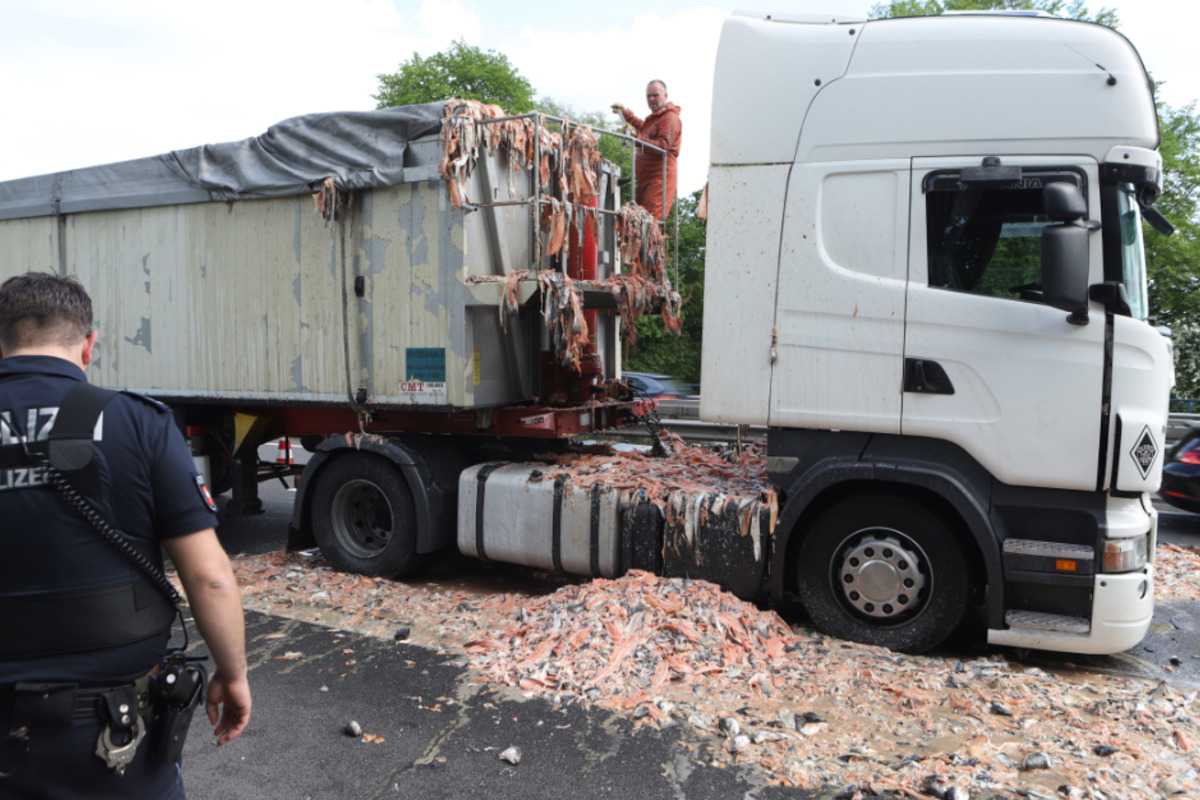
{"points": [[462, 70], [930, 8], [671, 354], [1172, 261]]}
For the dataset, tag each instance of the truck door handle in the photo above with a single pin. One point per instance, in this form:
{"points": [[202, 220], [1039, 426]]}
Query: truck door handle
{"points": [[928, 377]]}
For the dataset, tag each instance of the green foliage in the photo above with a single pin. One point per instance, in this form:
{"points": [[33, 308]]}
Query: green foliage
{"points": [[462, 70], [1017, 262], [1172, 261], [667, 353], [929, 8]]}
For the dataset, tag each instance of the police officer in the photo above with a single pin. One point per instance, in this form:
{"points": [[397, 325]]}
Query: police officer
{"points": [[78, 625]]}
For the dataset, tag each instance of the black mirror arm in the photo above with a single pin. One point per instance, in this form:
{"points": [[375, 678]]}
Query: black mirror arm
{"points": [[1113, 295]]}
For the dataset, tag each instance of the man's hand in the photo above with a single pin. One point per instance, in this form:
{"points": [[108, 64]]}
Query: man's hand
{"points": [[228, 706], [211, 589], [618, 109]]}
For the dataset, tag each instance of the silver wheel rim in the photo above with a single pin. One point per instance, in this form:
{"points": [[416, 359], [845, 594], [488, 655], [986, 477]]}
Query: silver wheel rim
{"points": [[362, 519], [880, 574]]}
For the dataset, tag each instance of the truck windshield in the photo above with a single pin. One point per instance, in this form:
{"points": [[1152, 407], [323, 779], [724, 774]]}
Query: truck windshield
{"points": [[1133, 255]]}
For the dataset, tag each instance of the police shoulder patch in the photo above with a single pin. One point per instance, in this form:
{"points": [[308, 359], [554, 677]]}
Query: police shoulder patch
{"points": [[205, 494]]}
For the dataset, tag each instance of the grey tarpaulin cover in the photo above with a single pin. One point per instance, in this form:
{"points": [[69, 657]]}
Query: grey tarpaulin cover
{"points": [[360, 149]]}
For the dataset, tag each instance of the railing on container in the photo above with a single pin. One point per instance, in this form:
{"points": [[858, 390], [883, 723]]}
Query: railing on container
{"points": [[535, 200]]}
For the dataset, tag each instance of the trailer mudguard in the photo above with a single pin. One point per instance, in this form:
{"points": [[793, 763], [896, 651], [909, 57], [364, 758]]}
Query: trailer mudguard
{"points": [[427, 497]]}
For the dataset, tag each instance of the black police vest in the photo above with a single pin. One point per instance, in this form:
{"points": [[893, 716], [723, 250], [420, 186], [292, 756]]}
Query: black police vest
{"points": [[85, 596]]}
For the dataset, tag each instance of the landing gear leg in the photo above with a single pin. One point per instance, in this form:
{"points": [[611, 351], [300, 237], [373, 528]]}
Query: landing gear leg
{"points": [[245, 501]]}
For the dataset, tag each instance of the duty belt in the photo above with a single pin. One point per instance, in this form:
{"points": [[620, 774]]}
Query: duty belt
{"points": [[33, 706], [68, 701]]}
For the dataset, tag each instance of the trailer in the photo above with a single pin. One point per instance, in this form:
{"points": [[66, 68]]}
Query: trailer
{"points": [[925, 276]]}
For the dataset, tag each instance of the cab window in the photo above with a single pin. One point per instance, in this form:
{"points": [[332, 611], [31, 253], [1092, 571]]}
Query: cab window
{"points": [[987, 239]]}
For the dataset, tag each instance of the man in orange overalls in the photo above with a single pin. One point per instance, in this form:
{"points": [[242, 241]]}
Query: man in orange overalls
{"points": [[661, 129]]}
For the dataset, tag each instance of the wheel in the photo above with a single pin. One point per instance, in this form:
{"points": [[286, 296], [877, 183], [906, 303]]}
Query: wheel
{"points": [[363, 516], [882, 571]]}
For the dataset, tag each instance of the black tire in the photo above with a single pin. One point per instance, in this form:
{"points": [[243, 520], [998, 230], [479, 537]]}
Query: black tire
{"points": [[883, 571], [363, 516]]}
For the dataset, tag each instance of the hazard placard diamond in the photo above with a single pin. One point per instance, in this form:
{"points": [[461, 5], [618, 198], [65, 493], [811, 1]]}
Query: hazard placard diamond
{"points": [[1144, 452]]}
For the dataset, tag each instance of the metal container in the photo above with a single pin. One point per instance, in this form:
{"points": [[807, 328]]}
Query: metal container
{"points": [[262, 300], [530, 514]]}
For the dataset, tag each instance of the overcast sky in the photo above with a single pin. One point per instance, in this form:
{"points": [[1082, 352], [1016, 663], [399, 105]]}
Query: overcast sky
{"points": [[95, 81]]}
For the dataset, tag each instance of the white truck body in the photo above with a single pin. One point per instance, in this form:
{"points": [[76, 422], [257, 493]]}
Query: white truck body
{"points": [[826, 140]]}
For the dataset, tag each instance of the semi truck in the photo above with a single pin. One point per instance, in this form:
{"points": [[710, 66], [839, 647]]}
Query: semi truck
{"points": [[924, 276]]}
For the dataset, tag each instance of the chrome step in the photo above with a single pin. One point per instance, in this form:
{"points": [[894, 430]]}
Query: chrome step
{"points": [[1037, 621], [1031, 547]]}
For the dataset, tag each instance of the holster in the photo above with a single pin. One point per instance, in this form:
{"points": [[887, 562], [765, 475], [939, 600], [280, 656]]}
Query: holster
{"points": [[179, 690]]}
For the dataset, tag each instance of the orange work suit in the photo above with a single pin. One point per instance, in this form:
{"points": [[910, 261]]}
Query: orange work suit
{"points": [[661, 129]]}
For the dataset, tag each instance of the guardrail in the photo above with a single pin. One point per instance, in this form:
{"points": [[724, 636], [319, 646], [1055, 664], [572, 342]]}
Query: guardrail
{"points": [[1178, 423]]}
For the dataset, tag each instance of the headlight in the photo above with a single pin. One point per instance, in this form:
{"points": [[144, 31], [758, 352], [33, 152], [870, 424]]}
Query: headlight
{"points": [[1125, 555]]}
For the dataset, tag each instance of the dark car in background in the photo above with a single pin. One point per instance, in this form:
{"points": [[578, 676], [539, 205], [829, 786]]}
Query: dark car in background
{"points": [[1181, 473], [657, 387]]}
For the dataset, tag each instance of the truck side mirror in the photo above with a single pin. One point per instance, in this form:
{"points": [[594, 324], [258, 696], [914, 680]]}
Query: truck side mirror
{"points": [[1065, 270], [1065, 251], [1063, 201]]}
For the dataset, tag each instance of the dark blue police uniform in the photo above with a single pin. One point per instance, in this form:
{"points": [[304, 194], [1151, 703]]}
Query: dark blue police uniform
{"points": [[50, 557]]}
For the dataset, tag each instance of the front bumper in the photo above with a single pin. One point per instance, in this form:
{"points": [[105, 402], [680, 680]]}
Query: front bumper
{"points": [[1122, 608]]}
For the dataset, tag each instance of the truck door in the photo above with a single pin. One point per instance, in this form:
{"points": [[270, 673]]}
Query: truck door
{"points": [[988, 364]]}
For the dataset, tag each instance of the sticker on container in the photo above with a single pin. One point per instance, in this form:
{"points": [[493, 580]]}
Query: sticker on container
{"points": [[425, 364], [475, 366], [424, 393]]}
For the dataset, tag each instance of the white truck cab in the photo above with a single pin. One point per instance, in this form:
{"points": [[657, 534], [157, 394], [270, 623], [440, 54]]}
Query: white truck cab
{"points": [[925, 274]]}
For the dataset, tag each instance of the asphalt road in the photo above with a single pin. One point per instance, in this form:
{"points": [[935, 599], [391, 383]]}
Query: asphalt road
{"points": [[1177, 527], [443, 732]]}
